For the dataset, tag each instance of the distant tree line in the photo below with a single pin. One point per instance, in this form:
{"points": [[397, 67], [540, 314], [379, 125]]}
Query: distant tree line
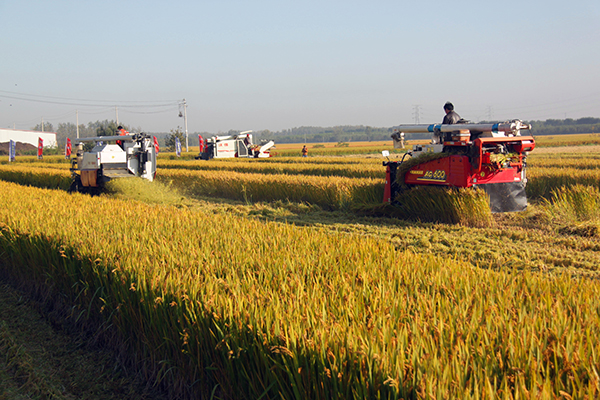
{"points": [[565, 126], [314, 134], [308, 134]]}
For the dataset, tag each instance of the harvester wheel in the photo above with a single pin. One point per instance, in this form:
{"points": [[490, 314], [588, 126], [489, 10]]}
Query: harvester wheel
{"points": [[76, 186]]}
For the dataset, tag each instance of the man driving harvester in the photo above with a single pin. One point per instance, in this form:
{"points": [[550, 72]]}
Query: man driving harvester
{"points": [[451, 116]]}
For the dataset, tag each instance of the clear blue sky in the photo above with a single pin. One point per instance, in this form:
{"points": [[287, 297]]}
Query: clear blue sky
{"points": [[282, 64]]}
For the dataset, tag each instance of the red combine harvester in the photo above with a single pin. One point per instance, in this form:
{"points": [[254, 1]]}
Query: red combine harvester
{"points": [[487, 156]]}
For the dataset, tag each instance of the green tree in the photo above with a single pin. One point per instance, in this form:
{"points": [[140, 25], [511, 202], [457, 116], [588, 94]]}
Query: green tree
{"points": [[369, 133], [170, 139], [108, 128], [48, 127]]}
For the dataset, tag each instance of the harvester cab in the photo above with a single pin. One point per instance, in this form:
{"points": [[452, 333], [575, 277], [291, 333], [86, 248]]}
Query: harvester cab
{"points": [[487, 156], [112, 157]]}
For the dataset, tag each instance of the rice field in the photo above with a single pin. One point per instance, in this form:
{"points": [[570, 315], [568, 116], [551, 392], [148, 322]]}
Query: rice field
{"points": [[287, 278]]}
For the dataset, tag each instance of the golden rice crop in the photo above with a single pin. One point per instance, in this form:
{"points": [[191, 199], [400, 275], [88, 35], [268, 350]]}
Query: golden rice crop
{"points": [[243, 308], [351, 170], [568, 140], [469, 207], [576, 203], [36, 176], [328, 192], [54, 159], [542, 181], [332, 149]]}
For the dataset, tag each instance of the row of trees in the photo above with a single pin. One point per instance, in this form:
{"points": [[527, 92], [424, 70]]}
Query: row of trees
{"points": [[313, 134], [366, 133], [566, 126], [309, 134]]}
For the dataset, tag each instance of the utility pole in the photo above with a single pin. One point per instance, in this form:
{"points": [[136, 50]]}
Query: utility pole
{"points": [[77, 122], [117, 114], [42, 124], [187, 149]]}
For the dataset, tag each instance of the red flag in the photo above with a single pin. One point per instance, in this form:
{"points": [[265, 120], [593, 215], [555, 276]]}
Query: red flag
{"points": [[68, 148], [40, 147], [201, 143], [156, 144]]}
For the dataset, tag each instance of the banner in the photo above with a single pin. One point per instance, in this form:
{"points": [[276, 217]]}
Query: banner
{"points": [[11, 151], [40, 148], [201, 143], [177, 147], [156, 146], [68, 149]]}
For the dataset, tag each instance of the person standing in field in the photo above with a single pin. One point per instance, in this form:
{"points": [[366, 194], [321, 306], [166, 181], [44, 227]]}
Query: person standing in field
{"points": [[451, 116], [122, 132], [304, 151]]}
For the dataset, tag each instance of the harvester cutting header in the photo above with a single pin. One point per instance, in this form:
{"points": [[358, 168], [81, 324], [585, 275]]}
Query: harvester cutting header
{"points": [[487, 156]]}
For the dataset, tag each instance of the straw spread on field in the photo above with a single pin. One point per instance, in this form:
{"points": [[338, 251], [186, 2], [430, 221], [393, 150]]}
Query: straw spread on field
{"points": [[298, 312]]}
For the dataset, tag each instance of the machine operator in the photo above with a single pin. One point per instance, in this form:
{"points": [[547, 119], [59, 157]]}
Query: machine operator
{"points": [[451, 116]]}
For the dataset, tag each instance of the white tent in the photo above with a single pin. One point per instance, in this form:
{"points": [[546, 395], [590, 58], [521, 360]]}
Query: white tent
{"points": [[30, 137]]}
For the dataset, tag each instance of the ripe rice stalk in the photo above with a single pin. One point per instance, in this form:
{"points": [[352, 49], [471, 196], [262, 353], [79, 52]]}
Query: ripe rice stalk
{"points": [[543, 181], [574, 203], [34, 176], [328, 192], [262, 308], [469, 207], [354, 170]]}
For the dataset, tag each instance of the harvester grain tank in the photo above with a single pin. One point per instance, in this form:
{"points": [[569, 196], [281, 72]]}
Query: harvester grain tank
{"points": [[490, 156], [240, 145], [132, 155]]}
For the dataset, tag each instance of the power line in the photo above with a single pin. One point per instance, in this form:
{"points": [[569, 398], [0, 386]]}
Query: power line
{"points": [[87, 102], [152, 112]]}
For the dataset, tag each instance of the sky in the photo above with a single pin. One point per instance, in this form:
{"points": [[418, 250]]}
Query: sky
{"points": [[256, 65]]}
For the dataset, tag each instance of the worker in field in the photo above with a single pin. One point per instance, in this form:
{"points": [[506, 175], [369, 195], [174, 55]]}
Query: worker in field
{"points": [[122, 132], [451, 116], [304, 151]]}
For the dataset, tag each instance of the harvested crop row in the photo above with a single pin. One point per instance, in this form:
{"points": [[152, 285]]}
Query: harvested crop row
{"points": [[253, 308], [328, 192], [315, 169]]}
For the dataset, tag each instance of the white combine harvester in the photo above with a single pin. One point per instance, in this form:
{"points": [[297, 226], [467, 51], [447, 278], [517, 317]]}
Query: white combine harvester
{"points": [[231, 146], [131, 155]]}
